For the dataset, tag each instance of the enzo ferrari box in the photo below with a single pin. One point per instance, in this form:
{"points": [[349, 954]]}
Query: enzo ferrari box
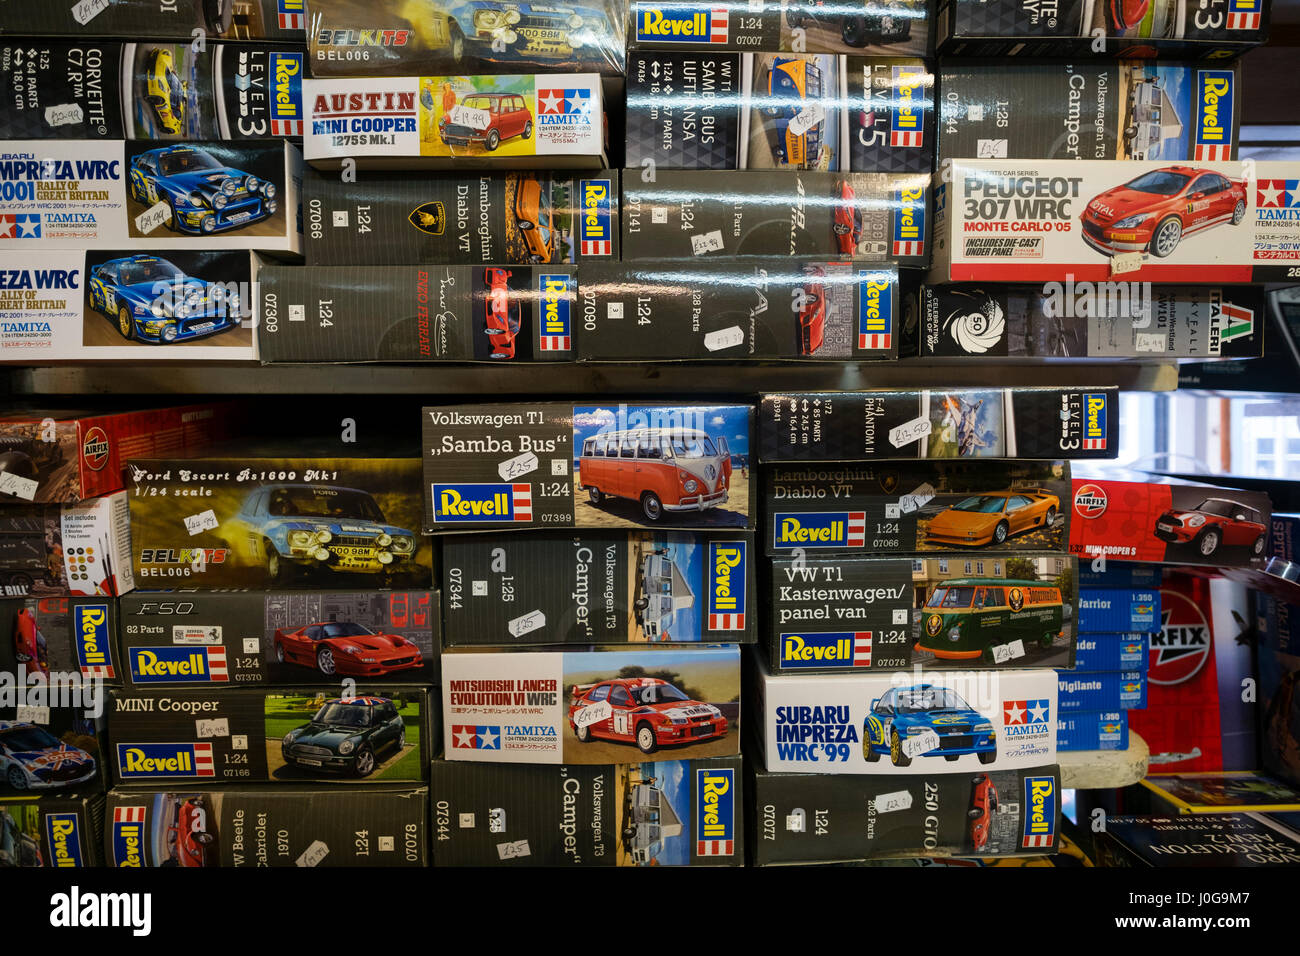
{"points": [[55, 831], [605, 466], [376, 734], [182, 20], [669, 813], [1218, 840], [599, 587], [1110, 690], [52, 738], [61, 639], [258, 826], [592, 707], [80, 549], [1092, 730]]}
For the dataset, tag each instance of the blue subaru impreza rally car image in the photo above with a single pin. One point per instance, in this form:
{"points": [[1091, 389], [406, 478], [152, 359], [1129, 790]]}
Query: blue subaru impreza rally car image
{"points": [[949, 724], [150, 299], [204, 196]]}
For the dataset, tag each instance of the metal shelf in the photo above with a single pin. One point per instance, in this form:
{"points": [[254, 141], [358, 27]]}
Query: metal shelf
{"points": [[1105, 769]]}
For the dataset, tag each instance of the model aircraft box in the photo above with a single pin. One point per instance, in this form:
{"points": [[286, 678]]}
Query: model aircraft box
{"points": [[825, 818], [1111, 652], [207, 640], [452, 313], [686, 812], [1119, 610], [1105, 574], [1092, 730], [259, 826], [823, 311], [599, 587], [55, 831], [1048, 423], [374, 733], [52, 737], [1111, 690], [592, 707], [78, 549], [551, 465], [1218, 840], [182, 20], [115, 194], [61, 639]]}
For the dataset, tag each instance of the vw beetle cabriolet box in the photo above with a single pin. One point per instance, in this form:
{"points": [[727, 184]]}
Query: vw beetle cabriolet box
{"points": [[182, 20], [76, 549], [47, 830], [592, 707], [59, 639], [371, 734], [552, 465]]}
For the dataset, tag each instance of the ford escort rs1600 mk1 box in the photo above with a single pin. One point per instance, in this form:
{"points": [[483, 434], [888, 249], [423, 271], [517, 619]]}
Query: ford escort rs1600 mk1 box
{"points": [[592, 707], [80, 549], [61, 639], [183, 20], [669, 813], [599, 587], [56, 831], [551, 465]]}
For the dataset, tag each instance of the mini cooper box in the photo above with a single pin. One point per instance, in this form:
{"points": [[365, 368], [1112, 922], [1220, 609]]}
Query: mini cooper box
{"points": [[552, 465], [61, 639], [78, 549], [669, 813], [372, 733], [253, 20], [261, 826], [592, 707], [55, 831]]}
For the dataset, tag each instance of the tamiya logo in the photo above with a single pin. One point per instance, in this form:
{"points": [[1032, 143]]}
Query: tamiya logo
{"points": [[1039, 812], [292, 15], [909, 222], [907, 110], [557, 331], [715, 812], [135, 761], [178, 665], [1021, 717], [563, 107], [683, 23], [1244, 14], [1277, 199], [832, 649], [94, 448], [819, 529], [94, 642], [483, 502], [128, 836], [727, 585], [595, 233], [20, 226], [286, 105], [64, 839], [1090, 501], [476, 737], [1094, 421], [1214, 115], [875, 310]]}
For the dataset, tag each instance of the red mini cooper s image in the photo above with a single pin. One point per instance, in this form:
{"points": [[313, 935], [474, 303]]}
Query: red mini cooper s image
{"points": [[646, 711], [1154, 211], [487, 120], [1214, 522]]}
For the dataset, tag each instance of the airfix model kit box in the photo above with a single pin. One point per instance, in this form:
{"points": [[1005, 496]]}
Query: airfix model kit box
{"points": [[824, 311], [552, 465], [56, 831], [216, 639], [1110, 690], [452, 313], [795, 214], [1218, 840], [823, 818], [685, 812], [1119, 610], [63, 639], [52, 738], [1111, 652], [1092, 730], [599, 587], [80, 549], [1048, 423], [376, 734], [592, 707], [845, 613], [182, 20], [260, 826]]}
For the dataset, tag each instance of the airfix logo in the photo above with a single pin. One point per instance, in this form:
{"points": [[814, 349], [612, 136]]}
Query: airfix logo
{"points": [[1094, 421], [1040, 812], [1090, 500], [1182, 646], [875, 310], [286, 103], [909, 222], [483, 502], [1214, 115], [429, 217], [715, 793], [831, 649], [595, 232], [557, 295], [819, 529], [94, 448], [128, 836], [907, 109], [292, 14], [94, 643], [177, 665], [1244, 14], [64, 839], [164, 760], [684, 23], [727, 585]]}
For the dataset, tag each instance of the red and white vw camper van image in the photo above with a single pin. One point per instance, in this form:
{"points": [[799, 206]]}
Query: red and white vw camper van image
{"points": [[665, 469]]}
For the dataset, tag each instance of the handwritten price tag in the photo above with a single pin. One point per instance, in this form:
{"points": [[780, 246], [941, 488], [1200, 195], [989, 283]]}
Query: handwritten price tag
{"points": [[512, 468], [889, 802], [909, 432], [66, 114], [1125, 262], [313, 854], [31, 714], [153, 217], [526, 624], [86, 10], [203, 521], [724, 339], [17, 485], [468, 116], [212, 727], [1149, 342], [513, 851], [917, 500], [593, 713], [704, 243], [921, 743], [808, 117]]}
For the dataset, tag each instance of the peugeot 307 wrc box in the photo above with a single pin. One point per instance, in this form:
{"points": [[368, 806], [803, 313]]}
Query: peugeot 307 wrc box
{"points": [[55, 831], [61, 639], [78, 549], [182, 20]]}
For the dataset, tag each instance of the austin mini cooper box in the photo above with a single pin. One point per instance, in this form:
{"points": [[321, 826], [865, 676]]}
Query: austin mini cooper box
{"points": [[592, 707], [685, 812], [56, 831], [370, 734], [59, 639], [79, 549], [599, 587], [181, 20], [552, 465]]}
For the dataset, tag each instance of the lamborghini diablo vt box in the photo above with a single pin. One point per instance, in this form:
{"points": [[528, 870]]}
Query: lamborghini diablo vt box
{"points": [[183, 20], [62, 639], [79, 549], [55, 831]]}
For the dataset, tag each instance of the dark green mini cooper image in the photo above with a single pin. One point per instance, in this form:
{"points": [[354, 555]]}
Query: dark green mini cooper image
{"points": [[346, 736]]}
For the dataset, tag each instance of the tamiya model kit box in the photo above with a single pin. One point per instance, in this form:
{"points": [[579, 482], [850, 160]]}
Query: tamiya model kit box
{"points": [[374, 734], [1219, 840], [599, 587], [1119, 610], [1112, 690], [78, 549], [669, 813], [52, 737], [1092, 730], [553, 465], [61, 639], [1048, 423], [183, 20], [115, 194], [592, 707], [452, 313], [56, 831], [215, 639], [1111, 652], [259, 826]]}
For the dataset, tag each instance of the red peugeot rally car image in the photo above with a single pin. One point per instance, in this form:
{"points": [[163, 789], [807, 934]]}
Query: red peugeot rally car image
{"points": [[1153, 212], [346, 648], [646, 711], [1214, 522], [983, 804], [502, 324]]}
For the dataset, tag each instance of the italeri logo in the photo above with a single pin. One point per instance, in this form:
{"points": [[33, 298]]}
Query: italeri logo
{"points": [[715, 812], [94, 643], [177, 665], [567, 107], [907, 110], [485, 502], [681, 23], [286, 104], [831, 649], [63, 838], [164, 760], [1094, 421], [292, 14], [875, 309], [556, 333], [819, 529], [1230, 322], [727, 585], [1214, 115], [909, 221], [94, 448], [128, 836], [1039, 812], [594, 230], [1244, 14], [1090, 501]]}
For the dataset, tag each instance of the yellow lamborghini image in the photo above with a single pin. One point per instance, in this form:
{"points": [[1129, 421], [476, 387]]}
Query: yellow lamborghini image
{"points": [[165, 91]]}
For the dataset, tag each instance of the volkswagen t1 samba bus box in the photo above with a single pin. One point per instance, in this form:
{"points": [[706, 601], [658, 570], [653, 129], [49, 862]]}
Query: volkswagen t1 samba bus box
{"points": [[76, 549], [46, 830], [135, 19]]}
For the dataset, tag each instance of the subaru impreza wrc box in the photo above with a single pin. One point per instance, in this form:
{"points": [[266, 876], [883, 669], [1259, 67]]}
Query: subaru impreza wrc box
{"points": [[76, 549], [135, 19], [56, 831], [60, 639]]}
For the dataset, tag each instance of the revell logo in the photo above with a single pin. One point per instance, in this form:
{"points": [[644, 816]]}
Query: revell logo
{"points": [[177, 665], [906, 123], [1214, 115], [715, 794], [64, 839], [681, 23], [165, 760], [1094, 421], [595, 232], [1244, 14], [727, 585], [286, 104], [1039, 812], [483, 502], [292, 15], [909, 222], [875, 309], [831, 649], [556, 332], [128, 836], [819, 529], [94, 644]]}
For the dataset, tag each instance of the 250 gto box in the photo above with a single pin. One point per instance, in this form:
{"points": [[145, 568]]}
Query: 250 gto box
{"points": [[685, 812], [182, 20], [78, 549], [61, 639], [56, 831]]}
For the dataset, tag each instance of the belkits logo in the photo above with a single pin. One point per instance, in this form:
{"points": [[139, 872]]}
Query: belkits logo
{"points": [[136, 761], [1039, 812], [476, 737], [557, 330], [128, 836], [286, 102], [681, 23], [64, 839], [819, 529], [94, 643], [178, 665], [727, 585], [715, 812], [875, 309], [907, 108], [1090, 501], [595, 231], [1214, 115], [831, 649], [909, 222], [485, 502], [1094, 421]]}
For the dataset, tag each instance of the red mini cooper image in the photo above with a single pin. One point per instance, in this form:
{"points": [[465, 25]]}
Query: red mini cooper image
{"points": [[487, 120], [647, 711], [848, 220], [812, 317], [346, 649], [1214, 522], [502, 324], [983, 804], [1154, 211]]}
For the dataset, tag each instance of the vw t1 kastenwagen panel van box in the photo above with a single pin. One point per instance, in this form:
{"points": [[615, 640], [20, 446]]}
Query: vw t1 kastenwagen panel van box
{"points": [[182, 20], [61, 639], [62, 831], [76, 549]]}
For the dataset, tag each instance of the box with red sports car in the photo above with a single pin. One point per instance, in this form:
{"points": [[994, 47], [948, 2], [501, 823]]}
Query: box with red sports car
{"points": [[51, 830], [78, 549], [59, 639], [180, 20]]}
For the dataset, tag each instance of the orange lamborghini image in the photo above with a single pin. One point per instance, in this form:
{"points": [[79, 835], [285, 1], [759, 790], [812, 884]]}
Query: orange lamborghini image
{"points": [[994, 517]]}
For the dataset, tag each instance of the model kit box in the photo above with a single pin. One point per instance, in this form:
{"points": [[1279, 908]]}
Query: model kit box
{"points": [[258, 826], [1113, 690], [1218, 792], [183, 20], [1092, 730], [1104, 574], [606, 466], [1048, 423], [52, 738], [63, 639], [592, 707], [217, 639], [1111, 652], [1119, 610], [78, 549], [378, 733], [825, 818], [670, 813], [56, 831], [417, 314], [1230, 839]]}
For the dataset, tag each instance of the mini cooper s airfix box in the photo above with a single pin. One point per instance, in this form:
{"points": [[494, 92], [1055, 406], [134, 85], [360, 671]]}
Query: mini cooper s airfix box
{"points": [[592, 707], [550, 465], [54, 831], [61, 639], [1119, 610], [217, 639], [1106, 690], [1112, 652], [1217, 840], [183, 20], [599, 587], [1092, 730], [79, 549], [261, 826], [371, 734], [685, 812]]}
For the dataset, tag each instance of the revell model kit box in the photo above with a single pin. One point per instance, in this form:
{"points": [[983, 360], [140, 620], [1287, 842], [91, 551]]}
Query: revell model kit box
{"points": [[183, 20], [54, 831], [259, 826], [1218, 840], [552, 465], [1108, 691], [1111, 652], [216, 639], [1048, 423], [1092, 730], [685, 812], [1119, 610], [592, 707], [52, 738], [825, 818], [62, 639], [79, 549], [377, 734]]}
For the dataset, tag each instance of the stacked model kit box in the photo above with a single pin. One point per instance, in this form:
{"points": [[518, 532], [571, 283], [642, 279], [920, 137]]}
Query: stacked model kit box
{"points": [[1048, 423], [59, 639], [599, 587], [1229, 839], [1092, 730], [1111, 652], [258, 826], [79, 549], [668, 813], [52, 738], [1106, 691], [1101, 573], [55, 831], [183, 20], [1217, 791], [552, 465], [1118, 610]]}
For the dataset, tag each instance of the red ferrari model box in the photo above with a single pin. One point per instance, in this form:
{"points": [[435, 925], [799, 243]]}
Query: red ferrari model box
{"points": [[63, 640]]}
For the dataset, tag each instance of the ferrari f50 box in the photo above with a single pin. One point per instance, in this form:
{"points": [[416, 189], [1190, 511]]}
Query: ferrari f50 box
{"points": [[79, 549], [260, 826], [183, 20], [373, 734], [55, 831], [669, 813], [550, 465], [62, 639], [599, 587], [592, 707]]}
